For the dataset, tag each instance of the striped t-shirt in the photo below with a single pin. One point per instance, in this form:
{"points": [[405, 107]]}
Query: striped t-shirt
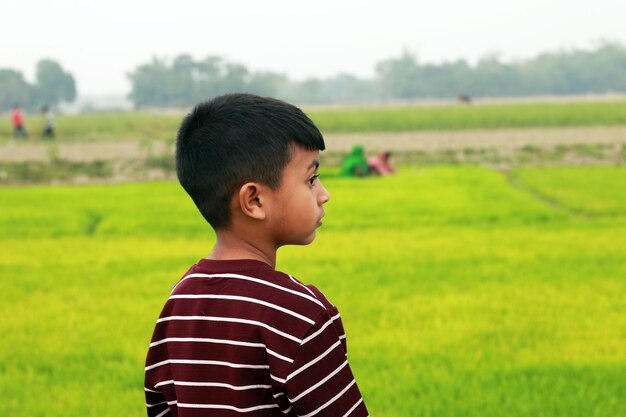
{"points": [[237, 338]]}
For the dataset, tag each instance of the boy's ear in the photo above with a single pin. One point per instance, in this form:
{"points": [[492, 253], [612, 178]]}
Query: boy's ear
{"points": [[251, 198]]}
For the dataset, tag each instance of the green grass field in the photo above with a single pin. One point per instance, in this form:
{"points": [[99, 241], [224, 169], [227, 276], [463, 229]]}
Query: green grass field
{"points": [[147, 127], [464, 292]]}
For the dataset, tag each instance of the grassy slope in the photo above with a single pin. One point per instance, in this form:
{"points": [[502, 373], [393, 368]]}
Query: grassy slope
{"points": [[148, 127], [471, 117], [463, 294]]}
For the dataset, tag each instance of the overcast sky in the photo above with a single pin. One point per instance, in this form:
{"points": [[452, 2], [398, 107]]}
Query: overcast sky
{"points": [[100, 42]]}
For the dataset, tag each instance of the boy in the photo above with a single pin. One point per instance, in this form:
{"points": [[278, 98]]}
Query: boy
{"points": [[237, 337]]}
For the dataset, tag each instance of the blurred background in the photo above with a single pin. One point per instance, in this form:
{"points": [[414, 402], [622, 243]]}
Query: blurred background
{"points": [[146, 54], [482, 273]]}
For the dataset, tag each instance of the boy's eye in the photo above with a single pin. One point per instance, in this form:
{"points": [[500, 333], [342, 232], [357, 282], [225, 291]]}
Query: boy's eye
{"points": [[311, 180]]}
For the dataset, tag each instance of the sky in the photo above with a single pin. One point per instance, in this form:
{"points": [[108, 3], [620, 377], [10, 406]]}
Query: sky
{"points": [[99, 43]]}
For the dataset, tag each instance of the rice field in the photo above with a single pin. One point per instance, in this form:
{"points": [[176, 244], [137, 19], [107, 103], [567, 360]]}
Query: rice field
{"points": [[142, 126], [464, 291]]}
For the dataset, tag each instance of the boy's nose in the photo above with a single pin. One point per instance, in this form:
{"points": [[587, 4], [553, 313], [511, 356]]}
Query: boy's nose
{"points": [[324, 195]]}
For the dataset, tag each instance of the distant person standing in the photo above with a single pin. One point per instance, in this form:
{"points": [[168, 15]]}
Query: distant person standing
{"points": [[17, 117], [48, 130]]}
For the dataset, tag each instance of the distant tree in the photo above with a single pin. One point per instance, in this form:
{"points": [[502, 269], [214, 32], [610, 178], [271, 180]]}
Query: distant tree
{"points": [[610, 59], [456, 79], [234, 78], [399, 77], [266, 83], [186, 81], [182, 79], [347, 88], [54, 85], [494, 78], [310, 91], [152, 84], [14, 90], [208, 79]]}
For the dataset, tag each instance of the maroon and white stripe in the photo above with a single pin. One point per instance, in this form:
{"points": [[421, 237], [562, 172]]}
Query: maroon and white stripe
{"points": [[238, 338]]}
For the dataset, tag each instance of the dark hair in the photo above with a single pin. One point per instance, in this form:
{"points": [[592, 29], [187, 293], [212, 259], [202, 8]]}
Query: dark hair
{"points": [[237, 138]]}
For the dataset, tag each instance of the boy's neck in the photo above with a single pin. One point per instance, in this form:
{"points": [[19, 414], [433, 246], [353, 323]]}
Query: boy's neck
{"points": [[230, 246]]}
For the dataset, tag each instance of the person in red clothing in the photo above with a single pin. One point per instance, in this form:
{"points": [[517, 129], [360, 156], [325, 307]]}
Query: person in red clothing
{"points": [[236, 336], [381, 164], [17, 118]]}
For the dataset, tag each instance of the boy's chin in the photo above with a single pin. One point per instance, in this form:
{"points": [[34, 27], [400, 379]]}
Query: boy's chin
{"points": [[304, 240]]}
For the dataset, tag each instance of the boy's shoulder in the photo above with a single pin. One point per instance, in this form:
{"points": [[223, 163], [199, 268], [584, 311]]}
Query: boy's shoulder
{"points": [[255, 283]]}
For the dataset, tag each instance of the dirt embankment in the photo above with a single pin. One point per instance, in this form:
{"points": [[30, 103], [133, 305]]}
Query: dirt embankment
{"points": [[397, 142], [479, 139]]}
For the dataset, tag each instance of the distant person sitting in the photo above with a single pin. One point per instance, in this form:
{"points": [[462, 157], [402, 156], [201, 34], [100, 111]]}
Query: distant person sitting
{"points": [[17, 118], [355, 164], [381, 164], [48, 130]]}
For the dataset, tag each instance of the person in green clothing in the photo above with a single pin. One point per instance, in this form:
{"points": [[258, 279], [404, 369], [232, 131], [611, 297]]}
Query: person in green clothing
{"points": [[355, 164]]}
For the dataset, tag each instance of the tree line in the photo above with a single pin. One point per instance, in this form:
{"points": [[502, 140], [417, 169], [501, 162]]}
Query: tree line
{"points": [[52, 85], [184, 81]]}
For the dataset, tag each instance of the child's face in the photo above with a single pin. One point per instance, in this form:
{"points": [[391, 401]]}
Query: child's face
{"points": [[296, 207]]}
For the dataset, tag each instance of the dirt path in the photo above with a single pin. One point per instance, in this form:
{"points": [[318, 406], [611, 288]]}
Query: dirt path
{"points": [[83, 152], [477, 139], [405, 141]]}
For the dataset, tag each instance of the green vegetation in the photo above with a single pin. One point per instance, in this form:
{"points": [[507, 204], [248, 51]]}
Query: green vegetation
{"points": [[52, 86], [149, 127], [598, 191], [35, 172], [470, 117], [94, 127], [563, 72], [161, 165], [464, 292], [185, 80]]}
